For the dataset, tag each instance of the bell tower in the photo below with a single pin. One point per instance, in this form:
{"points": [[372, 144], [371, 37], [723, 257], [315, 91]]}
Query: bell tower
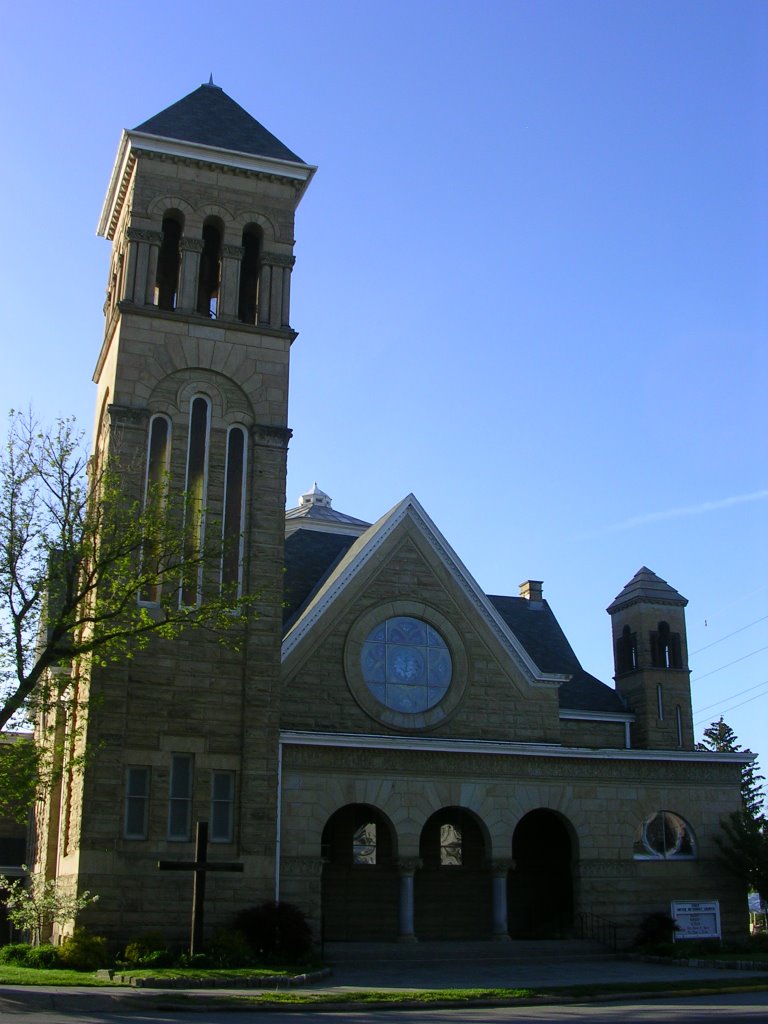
{"points": [[651, 661], [192, 385]]}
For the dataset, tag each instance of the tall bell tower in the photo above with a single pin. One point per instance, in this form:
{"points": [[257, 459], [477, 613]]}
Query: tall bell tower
{"points": [[192, 382]]}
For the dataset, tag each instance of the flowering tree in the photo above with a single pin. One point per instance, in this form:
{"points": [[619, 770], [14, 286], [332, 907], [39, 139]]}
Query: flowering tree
{"points": [[37, 905]]}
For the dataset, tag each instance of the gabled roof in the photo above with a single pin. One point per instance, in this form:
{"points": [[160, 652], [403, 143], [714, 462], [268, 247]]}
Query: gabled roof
{"points": [[646, 587], [369, 544], [209, 117]]}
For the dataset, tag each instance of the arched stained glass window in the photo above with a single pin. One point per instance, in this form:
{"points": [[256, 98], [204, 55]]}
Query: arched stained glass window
{"points": [[196, 486], [450, 846], [364, 844], [234, 509]]}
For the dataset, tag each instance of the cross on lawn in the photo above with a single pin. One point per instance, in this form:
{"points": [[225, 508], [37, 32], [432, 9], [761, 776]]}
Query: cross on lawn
{"points": [[200, 866]]}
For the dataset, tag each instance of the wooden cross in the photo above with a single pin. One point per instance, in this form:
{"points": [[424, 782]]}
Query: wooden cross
{"points": [[200, 866]]}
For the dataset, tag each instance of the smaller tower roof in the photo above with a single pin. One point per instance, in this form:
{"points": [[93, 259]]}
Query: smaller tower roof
{"points": [[209, 117], [646, 587], [315, 512]]}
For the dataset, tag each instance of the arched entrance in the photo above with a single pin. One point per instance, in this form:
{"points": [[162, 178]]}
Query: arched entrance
{"points": [[453, 886], [360, 880], [540, 888]]}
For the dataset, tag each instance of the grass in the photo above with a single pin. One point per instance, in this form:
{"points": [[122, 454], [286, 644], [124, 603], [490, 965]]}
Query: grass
{"points": [[12, 975]]}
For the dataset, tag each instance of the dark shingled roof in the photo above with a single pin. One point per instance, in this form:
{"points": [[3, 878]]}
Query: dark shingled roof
{"points": [[646, 587], [211, 118], [538, 630], [310, 556]]}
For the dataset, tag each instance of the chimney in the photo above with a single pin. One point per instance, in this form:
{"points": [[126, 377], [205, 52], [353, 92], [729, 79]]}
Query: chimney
{"points": [[531, 590]]}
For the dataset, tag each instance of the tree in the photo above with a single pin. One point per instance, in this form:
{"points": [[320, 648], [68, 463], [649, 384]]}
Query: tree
{"points": [[34, 905], [744, 843], [81, 542], [721, 737]]}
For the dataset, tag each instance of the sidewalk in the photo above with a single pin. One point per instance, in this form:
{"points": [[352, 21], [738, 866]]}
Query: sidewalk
{"points": [[394, 974]]}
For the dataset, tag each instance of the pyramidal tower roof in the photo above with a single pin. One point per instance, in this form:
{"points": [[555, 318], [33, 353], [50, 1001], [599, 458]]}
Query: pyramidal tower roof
{"points": [[646, 587], [209, 117]]}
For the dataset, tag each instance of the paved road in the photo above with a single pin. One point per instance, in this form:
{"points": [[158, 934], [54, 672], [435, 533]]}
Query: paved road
{"points": [[731, 1009]]}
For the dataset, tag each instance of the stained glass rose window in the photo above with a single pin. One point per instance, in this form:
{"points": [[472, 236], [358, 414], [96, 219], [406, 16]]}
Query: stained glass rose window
{"points": [[406, 664]]}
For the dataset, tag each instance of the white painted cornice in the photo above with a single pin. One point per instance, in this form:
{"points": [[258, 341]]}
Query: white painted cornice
{"points": [[366, 547], [498, 748], [131, 142]]}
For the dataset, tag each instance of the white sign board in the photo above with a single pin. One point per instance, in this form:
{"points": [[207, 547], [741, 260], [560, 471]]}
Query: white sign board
{"points": [[696, 920]]}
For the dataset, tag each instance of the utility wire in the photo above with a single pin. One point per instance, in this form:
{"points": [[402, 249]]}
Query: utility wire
{"points": [[748, 690], [728, 637], [736, 662], [734, 706]]}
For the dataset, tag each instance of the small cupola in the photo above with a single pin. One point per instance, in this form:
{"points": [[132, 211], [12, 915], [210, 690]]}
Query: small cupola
{"points": [[314, 496]]}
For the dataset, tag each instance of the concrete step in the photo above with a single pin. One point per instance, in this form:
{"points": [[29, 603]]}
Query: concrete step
{"points": [[514, 951]]}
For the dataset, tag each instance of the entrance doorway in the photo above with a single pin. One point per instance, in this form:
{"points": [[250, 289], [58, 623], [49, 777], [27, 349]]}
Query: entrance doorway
{"points": [[360, 880], [540, 888], [453, 886]]}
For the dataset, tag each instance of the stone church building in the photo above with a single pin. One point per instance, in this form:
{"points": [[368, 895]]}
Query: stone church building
{"points": [[398, 753]]}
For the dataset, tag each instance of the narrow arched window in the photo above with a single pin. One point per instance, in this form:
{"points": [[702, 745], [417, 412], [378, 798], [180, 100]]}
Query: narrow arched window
{"points": [[660, 702], [234, 510], [247, 306], [155, 493], [169, 261], [209, 277], [195, 494], [679, 724]]}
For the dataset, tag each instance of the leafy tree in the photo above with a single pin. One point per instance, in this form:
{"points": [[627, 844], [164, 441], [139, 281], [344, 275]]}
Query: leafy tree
{"points": [[744, 842], [38, 903], [80, 544], [721, 737]]}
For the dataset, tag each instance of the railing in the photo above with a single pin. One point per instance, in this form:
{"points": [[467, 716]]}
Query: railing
{"points": [[599, 929]]}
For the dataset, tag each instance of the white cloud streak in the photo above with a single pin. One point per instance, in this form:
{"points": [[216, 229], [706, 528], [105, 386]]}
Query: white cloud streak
{"points": [[690, 510]]}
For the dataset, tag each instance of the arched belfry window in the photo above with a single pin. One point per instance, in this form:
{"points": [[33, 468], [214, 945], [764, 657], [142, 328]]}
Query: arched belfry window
{"points": [[665, 647], [155, 491], [626, 651], [210, 268], [195, 490], [169, 261], [247, 306], [234, 509]]}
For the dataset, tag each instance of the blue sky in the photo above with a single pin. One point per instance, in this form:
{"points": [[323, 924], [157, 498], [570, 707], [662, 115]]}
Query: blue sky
{"points": [[531, 281]]}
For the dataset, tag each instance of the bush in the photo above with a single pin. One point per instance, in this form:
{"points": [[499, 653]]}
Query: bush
{"points": [[231, 949], [656, 929], [276, 932], [22, 955], [148, 949], [84, 952]]}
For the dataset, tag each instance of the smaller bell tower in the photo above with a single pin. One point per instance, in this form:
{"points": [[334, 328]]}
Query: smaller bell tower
{"points": [[651, 661]]}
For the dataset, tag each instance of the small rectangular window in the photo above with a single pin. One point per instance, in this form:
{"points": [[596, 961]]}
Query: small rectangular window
{"points": [[180, 797], [222, 806], [660, 702], [136, 803]]}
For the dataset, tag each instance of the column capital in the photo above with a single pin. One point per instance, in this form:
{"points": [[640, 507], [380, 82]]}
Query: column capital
{"points": [[409, 865], [143, 235], [190, 244], [278, 259], [501, 865]]}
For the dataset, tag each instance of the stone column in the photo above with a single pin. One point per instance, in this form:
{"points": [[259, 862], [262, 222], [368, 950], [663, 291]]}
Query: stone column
{"points": [[265, 285], [500, 868], [155, 239], [188, 274], [229, 287], [407, 867]]}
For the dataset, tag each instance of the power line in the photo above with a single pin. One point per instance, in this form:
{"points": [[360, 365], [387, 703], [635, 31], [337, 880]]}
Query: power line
{"points": [[728, 637], [735, 662], [731, 697], [734, 706]]}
